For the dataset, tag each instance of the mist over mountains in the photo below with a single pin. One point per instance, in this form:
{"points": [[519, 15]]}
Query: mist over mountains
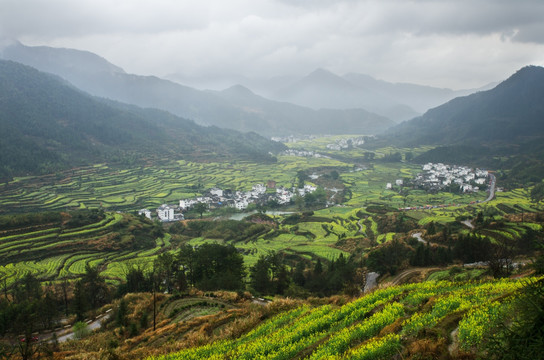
{"points": [[355, 103], [240, 111], [324, 89]]}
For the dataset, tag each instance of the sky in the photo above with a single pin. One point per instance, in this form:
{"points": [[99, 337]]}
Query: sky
{"points": [[457, 44]]}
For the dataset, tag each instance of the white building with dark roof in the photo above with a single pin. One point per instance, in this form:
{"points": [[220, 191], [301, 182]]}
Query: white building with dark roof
{"points": [[165, 212]]}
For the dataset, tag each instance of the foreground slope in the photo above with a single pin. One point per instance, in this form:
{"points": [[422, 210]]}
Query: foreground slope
{"points": [[432, 319], [47, 125]]}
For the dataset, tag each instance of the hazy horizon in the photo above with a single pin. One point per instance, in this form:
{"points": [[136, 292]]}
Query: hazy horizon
{"points": [[447, 44]]}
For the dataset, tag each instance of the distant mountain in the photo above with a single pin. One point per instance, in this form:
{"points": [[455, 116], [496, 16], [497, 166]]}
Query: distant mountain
{"points": [[324, 89], [46, 124], [98, 77], [278, 116], [512, 112], [420, 98]]}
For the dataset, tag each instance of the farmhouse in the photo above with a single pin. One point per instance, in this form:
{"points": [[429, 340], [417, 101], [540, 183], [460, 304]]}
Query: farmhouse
{"points": [[145, 212], [165, 213]]}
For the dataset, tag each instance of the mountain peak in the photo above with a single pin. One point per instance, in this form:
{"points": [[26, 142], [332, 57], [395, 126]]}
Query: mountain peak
{"points": [[59, 61], [322, 77], [530, 73], [239, 90]]}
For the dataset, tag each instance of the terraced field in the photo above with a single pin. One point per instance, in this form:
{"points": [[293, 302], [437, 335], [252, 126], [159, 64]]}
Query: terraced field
{"points": [[54, 251], [133, 189], [150, 186], [375, 326]]}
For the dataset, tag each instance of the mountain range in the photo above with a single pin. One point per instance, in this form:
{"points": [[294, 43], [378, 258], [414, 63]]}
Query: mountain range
{"points": [[324, 89], [46, 124], [235, 109]]}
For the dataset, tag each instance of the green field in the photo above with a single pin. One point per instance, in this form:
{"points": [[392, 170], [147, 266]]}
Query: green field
{"points": [[376, 326], [54, 251]]}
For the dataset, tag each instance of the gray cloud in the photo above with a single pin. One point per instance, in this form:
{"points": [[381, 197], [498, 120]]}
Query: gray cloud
{"points": [[455, 43]]}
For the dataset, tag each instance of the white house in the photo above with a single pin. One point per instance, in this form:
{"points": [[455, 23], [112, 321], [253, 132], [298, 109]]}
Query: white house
{"points": [[310, 188], [399, 182], [216, 192], [145, 212], [165, 212], [388, 186], [259, 189], [186, 203], [241, 204]]}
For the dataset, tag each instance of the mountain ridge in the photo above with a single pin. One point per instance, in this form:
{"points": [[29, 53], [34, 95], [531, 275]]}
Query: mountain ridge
{"points": [[47, 124], [510, 111], [204, 107]]}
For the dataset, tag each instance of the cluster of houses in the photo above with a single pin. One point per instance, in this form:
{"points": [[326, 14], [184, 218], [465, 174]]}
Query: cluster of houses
{"points": [[436, 177], [303, 153], [216, 198], [346, 143], [292, 138]]}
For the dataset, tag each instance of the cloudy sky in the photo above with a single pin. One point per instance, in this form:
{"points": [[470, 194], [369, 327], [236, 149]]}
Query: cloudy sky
{"points": [[447, 43]]}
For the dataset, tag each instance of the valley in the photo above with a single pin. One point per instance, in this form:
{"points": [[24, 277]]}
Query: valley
{"points": [[416, 240]]}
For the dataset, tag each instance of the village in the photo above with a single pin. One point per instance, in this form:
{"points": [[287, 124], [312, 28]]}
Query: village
{"points": [[439, 177], [216, 198]]}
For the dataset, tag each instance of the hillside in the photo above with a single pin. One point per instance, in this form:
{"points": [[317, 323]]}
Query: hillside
{"points": [[47, 125], [428, 320], [376, 326], [512, 112], [96, 76], [501, 128]]}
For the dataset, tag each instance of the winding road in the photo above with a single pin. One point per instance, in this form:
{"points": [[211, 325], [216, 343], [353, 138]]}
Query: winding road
{"points": [[491, 188]]}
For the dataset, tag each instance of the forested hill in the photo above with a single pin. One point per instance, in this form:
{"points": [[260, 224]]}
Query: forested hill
{"points": [[511, 113], [46, 125]]}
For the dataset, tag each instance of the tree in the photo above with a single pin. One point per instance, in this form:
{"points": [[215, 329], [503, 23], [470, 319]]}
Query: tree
{"points": [[390, 257], [165, 270], [122, 313], [95, 287], [269, 275], [537, 193], [260, 278], [186, 258], [200, 208], [213, 266], [298, 277], [136, 280], [90, 292], [301, 178]]}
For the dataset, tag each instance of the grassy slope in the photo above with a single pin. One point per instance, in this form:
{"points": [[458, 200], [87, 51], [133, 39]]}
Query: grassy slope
{"points": [[399, 319]]}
